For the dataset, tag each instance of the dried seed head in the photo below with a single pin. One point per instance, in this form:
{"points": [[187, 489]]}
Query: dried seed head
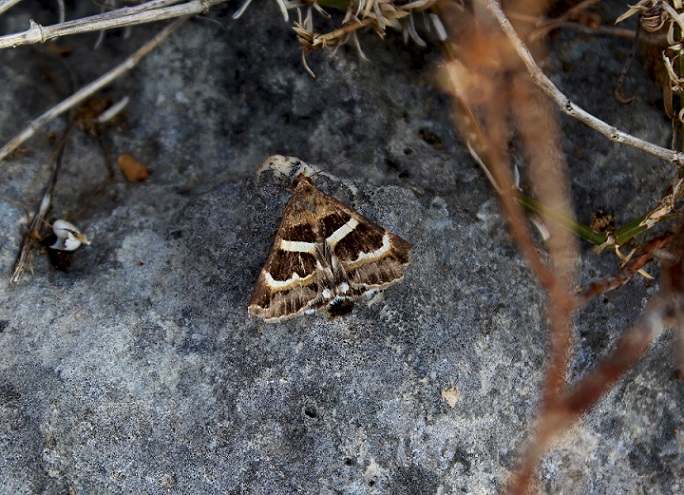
{"points": [[654, 18]]}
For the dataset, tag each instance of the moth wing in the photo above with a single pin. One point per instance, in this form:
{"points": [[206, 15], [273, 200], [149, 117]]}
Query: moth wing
{"points": [[289, 283], [372, 256]]}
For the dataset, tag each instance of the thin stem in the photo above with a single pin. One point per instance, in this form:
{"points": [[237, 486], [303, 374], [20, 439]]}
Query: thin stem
{"points": [[567, 106], [88, 90], [156, 10], [569, 223], [7, 4]]}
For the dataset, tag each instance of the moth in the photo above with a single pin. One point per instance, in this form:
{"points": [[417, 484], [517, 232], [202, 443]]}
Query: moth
{"points": [[325, 256]]}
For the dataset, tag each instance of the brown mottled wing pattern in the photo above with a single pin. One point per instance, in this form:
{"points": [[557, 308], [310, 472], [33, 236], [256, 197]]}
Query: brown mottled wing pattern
{"points": [[325, 256]]}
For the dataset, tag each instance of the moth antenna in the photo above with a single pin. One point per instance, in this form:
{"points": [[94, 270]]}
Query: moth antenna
{"points": [[355, 155]]}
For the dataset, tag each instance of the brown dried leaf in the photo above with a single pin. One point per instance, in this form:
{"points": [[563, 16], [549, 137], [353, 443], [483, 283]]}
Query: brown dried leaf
{"points": [[133, 170]]}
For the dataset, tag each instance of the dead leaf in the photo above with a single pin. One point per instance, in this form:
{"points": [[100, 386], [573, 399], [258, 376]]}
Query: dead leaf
{"points": [[132, 168]]}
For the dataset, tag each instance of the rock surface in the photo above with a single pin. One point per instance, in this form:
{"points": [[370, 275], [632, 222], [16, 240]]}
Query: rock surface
{"points": [[138, 371]]}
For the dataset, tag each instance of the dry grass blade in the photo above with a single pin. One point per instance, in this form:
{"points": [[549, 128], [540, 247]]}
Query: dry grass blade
{"points": [[89, 90], [566, 105]]}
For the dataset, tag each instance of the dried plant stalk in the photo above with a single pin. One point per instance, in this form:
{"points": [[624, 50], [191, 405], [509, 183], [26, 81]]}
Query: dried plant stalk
{"points": [[89, 90], [32, 233], [492, 89], [7, 4], [26, 250], [632, 266], [540, 133], [153, 11], [566, 105], [588, 391], [487, 100]]}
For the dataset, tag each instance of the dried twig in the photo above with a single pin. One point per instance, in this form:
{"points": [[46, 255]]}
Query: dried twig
{"points": [[567, 106], [540, 133], [24, 258], [156, 10], [490, 88], [7, 4], [377, 14], [587, 392], [88, 90], [468, 89], [559, 408], [630, 268], [549, 25], [666, 309], [29, 240], [483, 118]]}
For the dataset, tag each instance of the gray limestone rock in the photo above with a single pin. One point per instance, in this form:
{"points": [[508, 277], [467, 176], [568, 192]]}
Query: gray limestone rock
{"points": [[138, 370]]}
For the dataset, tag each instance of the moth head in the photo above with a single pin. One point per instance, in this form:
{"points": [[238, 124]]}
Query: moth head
{"points": [[302, 180], [285, 167]]}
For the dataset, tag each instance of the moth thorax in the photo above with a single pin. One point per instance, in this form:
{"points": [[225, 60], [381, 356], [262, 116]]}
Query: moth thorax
{"points": [[301, 179]]}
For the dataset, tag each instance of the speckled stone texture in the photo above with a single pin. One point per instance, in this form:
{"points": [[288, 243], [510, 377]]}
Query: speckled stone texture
{"points": [[139, 372]]}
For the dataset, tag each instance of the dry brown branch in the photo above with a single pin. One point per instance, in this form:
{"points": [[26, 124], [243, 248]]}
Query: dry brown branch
{"points": [[540, 133], [89, 89], [539, 130], [630, 268], [666, 309], [156, 10], [492, 90], [24, 258], [587, 392], [473, 85], [544, 28], [376, 14], [480, 87]]}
